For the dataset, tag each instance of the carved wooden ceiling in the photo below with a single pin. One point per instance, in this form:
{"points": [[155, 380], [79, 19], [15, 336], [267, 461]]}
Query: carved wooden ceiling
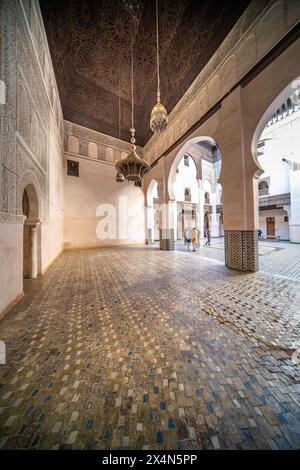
{"points": [[90, 47]]}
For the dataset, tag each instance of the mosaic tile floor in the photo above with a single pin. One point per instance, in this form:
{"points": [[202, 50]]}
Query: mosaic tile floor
{"points": [[141, 348], [279, 258]]}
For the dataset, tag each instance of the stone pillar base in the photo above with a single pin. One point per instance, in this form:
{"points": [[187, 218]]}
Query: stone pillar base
{"points": [[241, 250], [149, 239], [166, 239], [294, 233]]}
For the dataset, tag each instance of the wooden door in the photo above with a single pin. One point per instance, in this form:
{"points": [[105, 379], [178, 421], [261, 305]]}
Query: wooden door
{"points": [[270, 227]]}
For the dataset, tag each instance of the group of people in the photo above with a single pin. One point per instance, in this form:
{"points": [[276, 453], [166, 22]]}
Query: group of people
{"points": [[192, 238]]}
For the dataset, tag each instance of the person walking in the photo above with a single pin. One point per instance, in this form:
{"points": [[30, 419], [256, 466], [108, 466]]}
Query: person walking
{"points": [[188, 236], [208, 237], [194, 238]]}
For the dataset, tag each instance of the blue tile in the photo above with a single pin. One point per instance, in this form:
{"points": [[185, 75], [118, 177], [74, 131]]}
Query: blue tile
{"points": [[23, 428], [238, 446], [210, 408], [36, 440], [171, 423], [198, 392], [30, 409], [90, 424], [162, 405], [146, 398], [282, 419], [156, 389], [248, 435], [107, 433], [159, 437]]}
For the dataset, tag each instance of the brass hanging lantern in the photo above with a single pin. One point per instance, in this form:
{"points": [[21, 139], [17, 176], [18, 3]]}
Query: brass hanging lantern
{"points": [[159, 116], [120, 177], [133, 167]]}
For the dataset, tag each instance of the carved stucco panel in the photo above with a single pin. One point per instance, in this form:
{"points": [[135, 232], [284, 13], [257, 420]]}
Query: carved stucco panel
{"points": [[93, 150], [229, 73], [26, 114], [214, 90], [73, 144], [83, 147], [202, 102], [109, 155], [270, 28], [35, 135], [30, 173], [247, 54], [23, 112]]}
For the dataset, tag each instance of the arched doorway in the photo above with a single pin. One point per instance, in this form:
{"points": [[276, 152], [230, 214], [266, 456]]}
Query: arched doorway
{"points": [[276, 141], [195, 192], [185, 196], [31, 233]]}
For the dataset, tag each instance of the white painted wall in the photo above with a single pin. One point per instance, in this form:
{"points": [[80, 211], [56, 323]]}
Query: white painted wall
{"points": [[295, 207], [186, 178], [11, 262], [281, 227], [95, 186], [282, 140]]}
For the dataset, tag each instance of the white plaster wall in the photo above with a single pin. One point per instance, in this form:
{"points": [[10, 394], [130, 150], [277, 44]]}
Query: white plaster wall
{"points": [[186, 178], [282, 140], [295, 207], [96, 185], [11, 262], [281, 227]]}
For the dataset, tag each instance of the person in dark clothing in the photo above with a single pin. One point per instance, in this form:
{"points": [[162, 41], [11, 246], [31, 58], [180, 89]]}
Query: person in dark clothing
{"points": [[259, 233], [208, 238]]}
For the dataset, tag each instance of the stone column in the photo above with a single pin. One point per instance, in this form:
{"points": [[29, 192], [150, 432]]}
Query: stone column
{"points": [[175, 218], [294, 213], [240, 199], [33, 251], [214, 216], [150, 224], [200, 221], [166, 225]]}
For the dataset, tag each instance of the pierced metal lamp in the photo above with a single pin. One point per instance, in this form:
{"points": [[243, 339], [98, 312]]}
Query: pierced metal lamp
{"points": [[159, 116]]}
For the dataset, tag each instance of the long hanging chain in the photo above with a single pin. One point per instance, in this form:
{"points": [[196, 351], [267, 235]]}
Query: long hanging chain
{"points": [[132, 130], [132, 99], [157, 55], [119, 98]]}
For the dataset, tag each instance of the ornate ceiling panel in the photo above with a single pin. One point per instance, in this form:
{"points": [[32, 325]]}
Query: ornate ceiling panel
{"points": [[90, 43]]}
